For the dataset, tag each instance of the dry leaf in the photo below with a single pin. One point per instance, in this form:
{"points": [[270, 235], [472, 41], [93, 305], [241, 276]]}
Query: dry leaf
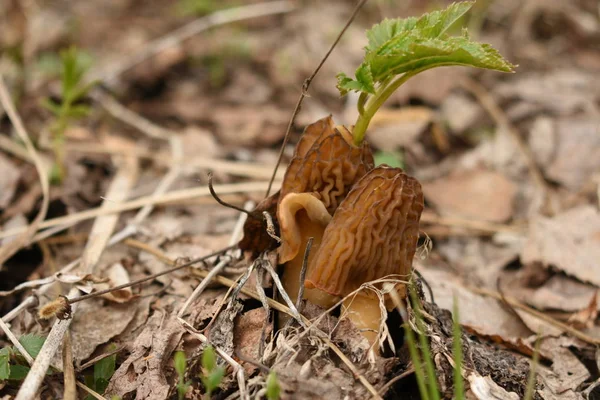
{"points": [[577, 151], [484, 315], [476, 194], [484, 388], [569, 241]]}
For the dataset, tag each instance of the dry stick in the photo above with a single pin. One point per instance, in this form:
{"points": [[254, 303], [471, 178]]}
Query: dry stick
{"points": [[490, 105], [185, 32], [295, 314], [233, 240], [99, 237], [170, 197], [302, 278], [101, 357], [70, 392], [546, 318], [162, 258], [304, 91], [237, 168], [13, 246], [282, 308]]}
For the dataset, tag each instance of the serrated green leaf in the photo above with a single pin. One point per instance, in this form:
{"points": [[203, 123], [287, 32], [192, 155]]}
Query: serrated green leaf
{"points": [[4, 366], [32, 343], [412, 45]]}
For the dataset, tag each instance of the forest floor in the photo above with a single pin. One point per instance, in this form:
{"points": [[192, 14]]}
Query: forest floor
{"points": [[509, 164]]}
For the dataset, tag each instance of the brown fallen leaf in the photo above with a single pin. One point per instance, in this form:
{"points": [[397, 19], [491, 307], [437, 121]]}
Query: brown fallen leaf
{"points": [[586, 317], [577, 151], [247, 335], [144, 372], [483, 315], [569, 241], [478, 194]]}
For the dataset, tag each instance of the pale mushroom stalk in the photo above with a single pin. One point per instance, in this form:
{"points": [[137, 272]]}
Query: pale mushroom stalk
{"points": [[301, 216], [364, 312]]}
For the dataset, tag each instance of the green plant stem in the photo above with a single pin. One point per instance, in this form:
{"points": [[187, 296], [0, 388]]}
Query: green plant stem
{"points": [[374, 103], [427, 357], [459, 386]]}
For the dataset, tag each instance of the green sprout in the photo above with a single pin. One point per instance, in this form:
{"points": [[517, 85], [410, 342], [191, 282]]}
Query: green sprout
{"points": [[212, 373], [180, 362], [399, 49], [273, 388], [74, 67], [103, 371]]}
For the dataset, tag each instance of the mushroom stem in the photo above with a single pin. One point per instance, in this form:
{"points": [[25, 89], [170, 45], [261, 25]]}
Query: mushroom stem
{"points": [[364, 312], [309, 218]]}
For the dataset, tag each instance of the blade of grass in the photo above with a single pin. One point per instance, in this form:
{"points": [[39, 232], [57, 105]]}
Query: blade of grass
{"points": [[533, 370], [459, 386], [434, 392]]}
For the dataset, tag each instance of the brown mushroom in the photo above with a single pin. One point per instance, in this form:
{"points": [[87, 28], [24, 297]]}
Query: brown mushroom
{"points": [[315, 182], [301, 178], [372, 234]]}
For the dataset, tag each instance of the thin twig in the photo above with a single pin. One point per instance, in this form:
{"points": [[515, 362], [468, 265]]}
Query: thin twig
{"points": [[271, 227], [110, 75], [13, 246], [70, 391], [150, 277], [269, 268], [546, 318], [170, 197], [215, 196], [304, 91]]}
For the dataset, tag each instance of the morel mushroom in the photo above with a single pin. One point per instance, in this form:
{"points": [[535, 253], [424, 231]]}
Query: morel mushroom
{"points": [[325, 167], [372, 234]]}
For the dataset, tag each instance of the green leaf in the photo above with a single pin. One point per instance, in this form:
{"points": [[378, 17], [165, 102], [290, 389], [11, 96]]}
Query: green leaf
{"points": [[273, 388], [180, 362], [411, 45], [213, 379], [209, 359], [392, 158], [18, 372], [51, 106], [78, 111], [4, 364], [103, 371], [32, 343]]}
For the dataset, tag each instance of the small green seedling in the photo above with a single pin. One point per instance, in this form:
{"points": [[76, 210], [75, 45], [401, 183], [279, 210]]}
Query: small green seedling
{"points": [[399, 49], [13, 365], [273, 388], [74, 66], [103, 371], [180, 362], [212, 374]]}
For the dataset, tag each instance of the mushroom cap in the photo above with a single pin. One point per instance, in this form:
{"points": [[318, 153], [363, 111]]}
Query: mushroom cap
{"points": [[329, 167], [372, 234], [301, 215], [326, 164]]}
